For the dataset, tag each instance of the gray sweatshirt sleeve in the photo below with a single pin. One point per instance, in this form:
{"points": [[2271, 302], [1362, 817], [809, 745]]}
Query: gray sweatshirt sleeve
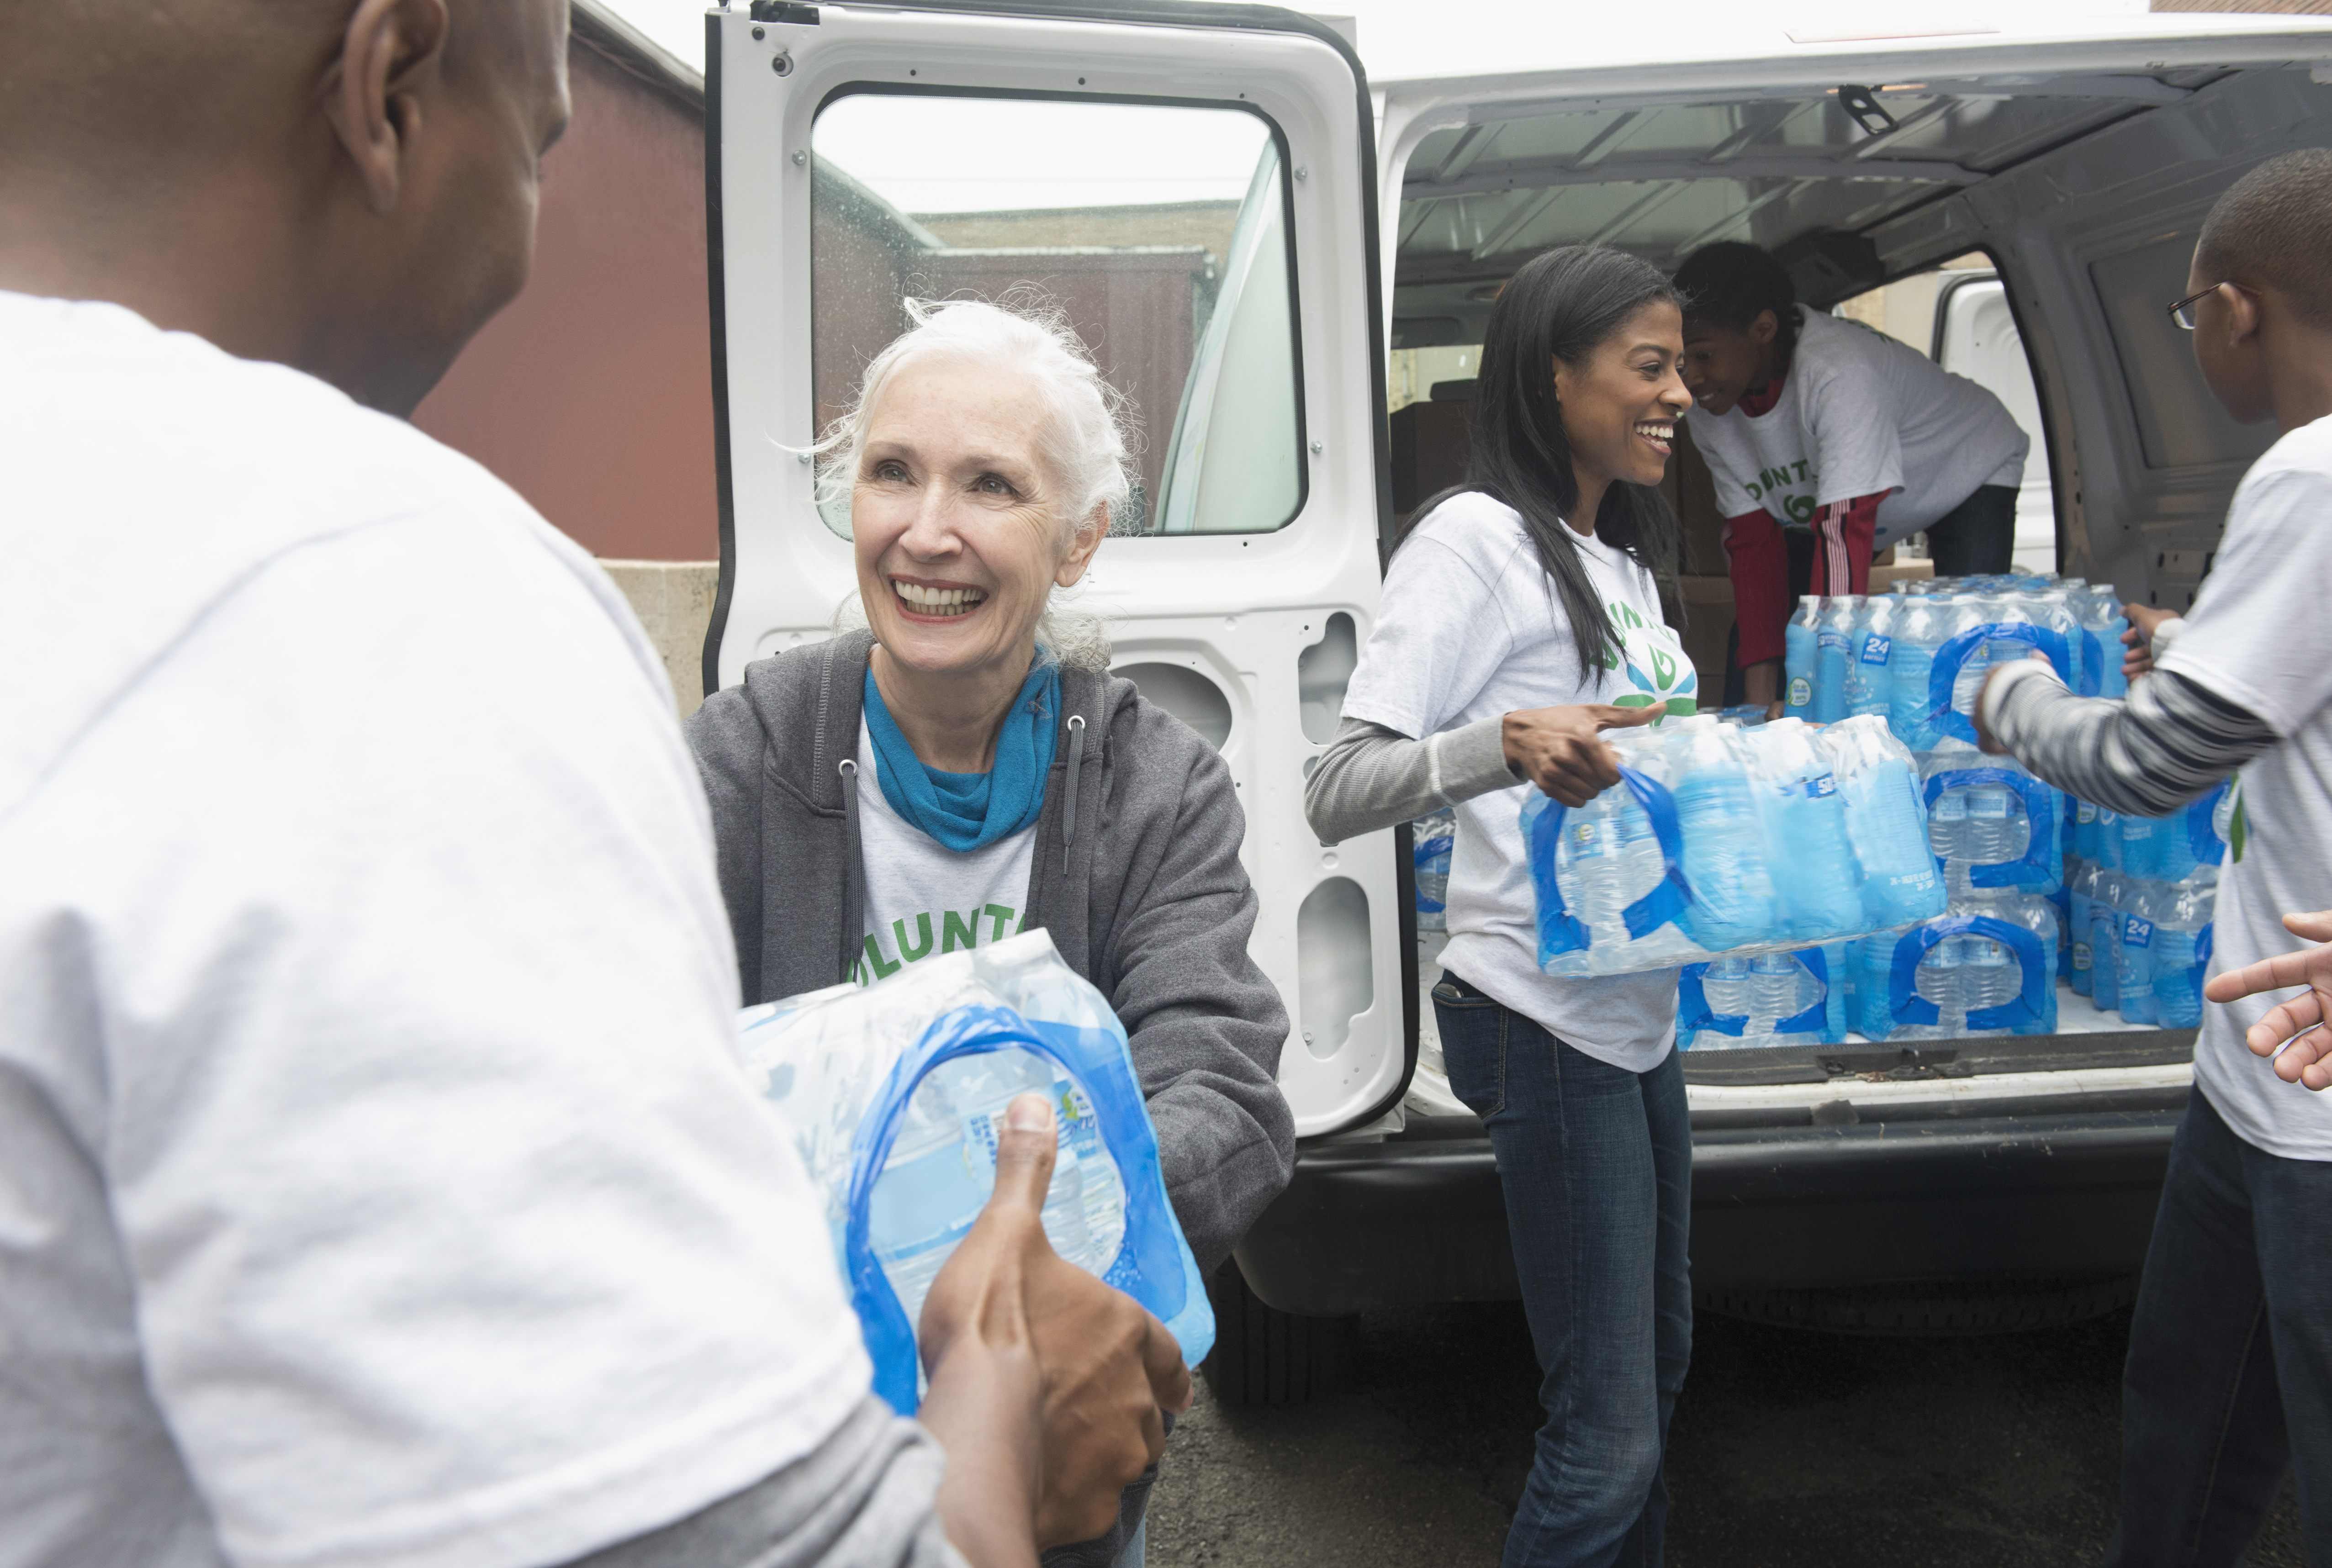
{"points": [[861, 1499], [726, 736], [1204, 1023], [2168, 742], [1371, 777]]}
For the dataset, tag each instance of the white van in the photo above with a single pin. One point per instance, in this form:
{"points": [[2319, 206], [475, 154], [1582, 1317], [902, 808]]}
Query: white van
{"points": [[1245, 227]]}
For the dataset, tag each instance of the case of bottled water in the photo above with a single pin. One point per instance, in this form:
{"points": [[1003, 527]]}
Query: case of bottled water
{"points": [[1775, 999], [895, 1094], [1988, 968], [1727, 840]]}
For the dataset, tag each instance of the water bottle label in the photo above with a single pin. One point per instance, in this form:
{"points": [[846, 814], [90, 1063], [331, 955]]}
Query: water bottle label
{"points": [[2082, 959], [1583, 833], [1832, 640], [1825, 785], [2136, 827], [1876, 649], [2083, 813], [1801, 692], [2138, 934]]}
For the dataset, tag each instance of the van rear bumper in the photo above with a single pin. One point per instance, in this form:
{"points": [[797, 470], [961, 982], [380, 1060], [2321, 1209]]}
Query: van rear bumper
{"points": [[1410, 1221]]}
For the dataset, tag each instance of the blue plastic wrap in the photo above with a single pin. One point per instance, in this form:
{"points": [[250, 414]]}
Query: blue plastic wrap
{"points": [[894, 1094]]}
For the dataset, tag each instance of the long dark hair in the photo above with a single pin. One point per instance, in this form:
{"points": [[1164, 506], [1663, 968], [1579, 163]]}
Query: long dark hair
{"points": [[1562, 304]]}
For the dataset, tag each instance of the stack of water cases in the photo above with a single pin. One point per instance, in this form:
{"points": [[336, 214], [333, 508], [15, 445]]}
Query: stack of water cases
{"points": [[1751, 857], [2039, 885], [2140, 893]]}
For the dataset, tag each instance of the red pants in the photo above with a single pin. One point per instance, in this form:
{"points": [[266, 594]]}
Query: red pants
{"points": [[1759, 557]]}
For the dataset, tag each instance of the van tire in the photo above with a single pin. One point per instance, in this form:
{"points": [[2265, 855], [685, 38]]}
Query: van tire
{"points": [[1263, 1356], [1940, 1307]]}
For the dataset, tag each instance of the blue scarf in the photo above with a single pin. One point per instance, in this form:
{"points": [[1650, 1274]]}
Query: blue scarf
{"points": [[968, 811]]}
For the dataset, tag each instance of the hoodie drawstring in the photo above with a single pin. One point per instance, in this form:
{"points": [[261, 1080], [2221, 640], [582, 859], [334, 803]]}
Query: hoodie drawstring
{"points": [[1069, 805]]}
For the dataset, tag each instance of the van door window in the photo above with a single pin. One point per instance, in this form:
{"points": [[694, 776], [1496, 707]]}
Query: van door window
{"points": [[1159, 230], [2179, 423]]}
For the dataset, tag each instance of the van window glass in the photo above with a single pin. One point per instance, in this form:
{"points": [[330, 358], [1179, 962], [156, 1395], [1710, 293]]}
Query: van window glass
{"points": [[2179, 423], [1159, 231]]}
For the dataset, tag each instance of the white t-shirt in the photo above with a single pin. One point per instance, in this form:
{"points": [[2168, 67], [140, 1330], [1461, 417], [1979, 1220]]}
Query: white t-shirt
{"points": [[2258, 636], [380, 1186], [923, 898], [1861, 415], [1469, 629]]}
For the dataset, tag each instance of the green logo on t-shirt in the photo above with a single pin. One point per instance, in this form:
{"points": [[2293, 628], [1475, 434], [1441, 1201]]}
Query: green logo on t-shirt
{"points": [[955, 931], [1786, 490], [1653, 662]]}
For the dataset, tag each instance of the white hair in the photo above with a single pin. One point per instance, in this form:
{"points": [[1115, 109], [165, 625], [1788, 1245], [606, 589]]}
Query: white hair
{"points": [[1087, 438]]}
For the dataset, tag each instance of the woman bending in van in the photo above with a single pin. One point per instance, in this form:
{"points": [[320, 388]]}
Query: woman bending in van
{"points": [[965, 768], [1519, 619], [1812, 421]]}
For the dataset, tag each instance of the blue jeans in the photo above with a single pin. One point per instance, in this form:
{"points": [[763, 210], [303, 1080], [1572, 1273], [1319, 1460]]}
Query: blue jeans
{"points": [[1596, 1164], [2228, 1384]]}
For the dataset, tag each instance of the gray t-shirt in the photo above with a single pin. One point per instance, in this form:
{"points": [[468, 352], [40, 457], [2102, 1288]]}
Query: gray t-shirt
{"points": [[1469, 629]]}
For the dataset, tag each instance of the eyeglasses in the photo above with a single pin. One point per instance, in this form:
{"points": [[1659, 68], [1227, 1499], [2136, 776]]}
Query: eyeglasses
{"points": [[2182, 313]]}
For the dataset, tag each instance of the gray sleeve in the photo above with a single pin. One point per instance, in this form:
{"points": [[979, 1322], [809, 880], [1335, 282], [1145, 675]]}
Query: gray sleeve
{"points": [[1371, 777], [861, 1499], [2167, 743], [726, 737], [1205, 1025]]}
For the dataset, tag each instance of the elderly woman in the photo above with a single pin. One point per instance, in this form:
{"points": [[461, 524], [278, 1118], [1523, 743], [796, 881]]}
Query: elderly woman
{"points": [[965, 768]]}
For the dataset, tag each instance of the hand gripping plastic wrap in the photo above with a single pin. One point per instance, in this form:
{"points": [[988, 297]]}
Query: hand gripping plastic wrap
{"points": [[896, 1095], [1721, 841]]}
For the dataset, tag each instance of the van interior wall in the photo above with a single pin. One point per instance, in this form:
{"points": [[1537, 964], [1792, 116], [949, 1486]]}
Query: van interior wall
{"points": [[592, 394]]}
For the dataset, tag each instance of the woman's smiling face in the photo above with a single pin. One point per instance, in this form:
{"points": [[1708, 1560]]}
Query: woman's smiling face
{"points": [[955, 515], [1621, 404]]}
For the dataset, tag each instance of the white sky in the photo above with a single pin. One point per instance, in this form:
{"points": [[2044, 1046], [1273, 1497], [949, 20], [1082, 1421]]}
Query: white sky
{"points": [[1421, 37], [959, 155]]}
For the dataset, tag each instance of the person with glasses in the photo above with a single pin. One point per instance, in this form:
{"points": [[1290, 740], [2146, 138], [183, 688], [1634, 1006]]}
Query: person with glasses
{"points": [[2228, 1383]]}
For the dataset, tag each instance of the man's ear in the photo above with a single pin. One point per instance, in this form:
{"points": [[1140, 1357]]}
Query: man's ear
{"points": [[392, 53], [2242, 312]]}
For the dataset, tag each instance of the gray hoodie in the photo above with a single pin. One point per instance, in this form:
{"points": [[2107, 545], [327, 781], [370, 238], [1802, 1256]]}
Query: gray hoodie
{"points": [[1139, 885]]}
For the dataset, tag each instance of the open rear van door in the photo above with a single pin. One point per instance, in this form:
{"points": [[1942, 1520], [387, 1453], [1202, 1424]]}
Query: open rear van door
{"points": [[2079, 153], [1193, 186]]}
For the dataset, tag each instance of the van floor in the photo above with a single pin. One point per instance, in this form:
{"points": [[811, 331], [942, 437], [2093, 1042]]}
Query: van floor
{"points": [[1788, 1449]]}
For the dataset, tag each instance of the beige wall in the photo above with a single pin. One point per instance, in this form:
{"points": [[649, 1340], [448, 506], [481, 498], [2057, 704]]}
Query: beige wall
{"points": [[673, 599]]}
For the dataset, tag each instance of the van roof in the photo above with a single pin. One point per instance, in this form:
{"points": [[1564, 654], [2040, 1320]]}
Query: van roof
{"points": [[1555, 47]]}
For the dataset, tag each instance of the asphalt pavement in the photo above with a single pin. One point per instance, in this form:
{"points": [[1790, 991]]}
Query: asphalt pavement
{"points": [[1789, 1448]]}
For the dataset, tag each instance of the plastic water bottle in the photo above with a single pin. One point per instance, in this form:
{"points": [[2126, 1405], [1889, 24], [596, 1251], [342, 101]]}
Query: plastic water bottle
{"points": [[1832, 652], [2109, 838], [1901, 883], [1992, 977], [1942, 980], [1798, 643], [1947, 832], [1723, 843], [2105, 939], [1992, 824], [1773, 991], [1434, 837], [1968, 614], [2177, 977], [1808, 847], [2135, 959], [2083, 892], [1724, 983], [2104, 621], [1869, 687], [2174, 841], [1838, 969], [2005, 979], [1917, 633], [1612, 859], [2085, 831], [2141, 846]]}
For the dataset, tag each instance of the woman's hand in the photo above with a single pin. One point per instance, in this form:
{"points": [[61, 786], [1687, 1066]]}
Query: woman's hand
{"points": [[2307, 1058], [2140, 638], [1557, 750], [1045, 1385]]}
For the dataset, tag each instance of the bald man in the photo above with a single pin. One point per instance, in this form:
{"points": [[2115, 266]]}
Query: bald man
{"points": [[375, 1182]]}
